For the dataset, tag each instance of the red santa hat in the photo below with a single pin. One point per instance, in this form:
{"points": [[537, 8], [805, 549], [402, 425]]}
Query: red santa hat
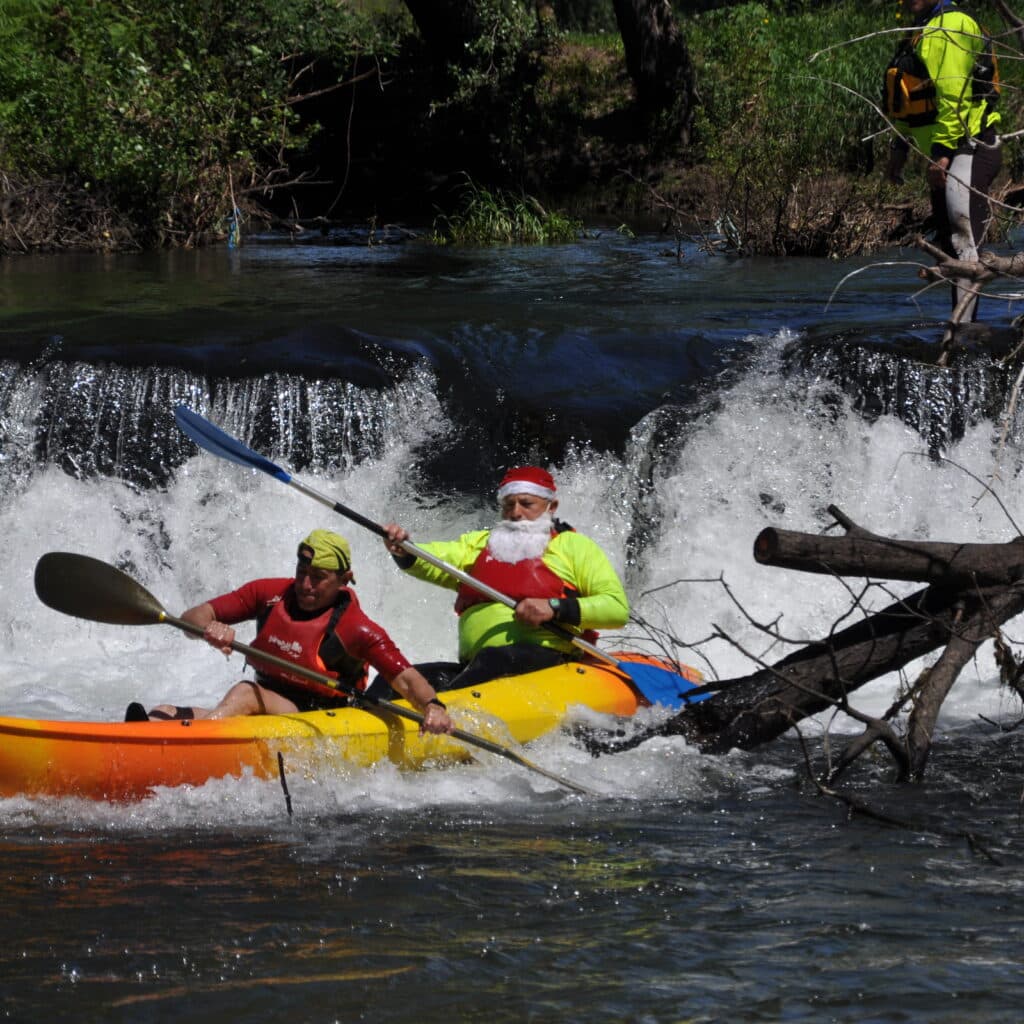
{"points": [[527, 480]]}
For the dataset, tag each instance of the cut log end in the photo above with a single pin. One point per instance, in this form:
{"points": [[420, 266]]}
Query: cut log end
{"points": [[766, 545]]}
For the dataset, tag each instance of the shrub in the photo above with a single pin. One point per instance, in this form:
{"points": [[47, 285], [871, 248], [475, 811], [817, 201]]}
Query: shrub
{"points": [[174, 107], [487, 218], [776, 124]]}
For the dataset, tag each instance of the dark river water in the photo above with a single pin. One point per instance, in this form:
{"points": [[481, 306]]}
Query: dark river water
{"points": [[682, 406]]}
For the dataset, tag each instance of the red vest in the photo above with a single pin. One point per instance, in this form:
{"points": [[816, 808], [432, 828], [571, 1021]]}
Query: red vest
{"points": [[301, 640], [528, 578]]}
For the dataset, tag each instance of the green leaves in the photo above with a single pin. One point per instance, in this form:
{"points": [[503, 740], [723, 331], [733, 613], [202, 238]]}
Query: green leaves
{"points": [[781, 130], [163, 103], [754, 70], [489, 218]]}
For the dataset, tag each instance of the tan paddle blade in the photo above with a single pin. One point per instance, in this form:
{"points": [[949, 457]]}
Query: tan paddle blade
{"points": [[90, 589]]}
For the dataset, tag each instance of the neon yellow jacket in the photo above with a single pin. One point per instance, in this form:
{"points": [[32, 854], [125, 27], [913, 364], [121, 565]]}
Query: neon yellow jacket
{"points": [[574, 558], [949, 46]]}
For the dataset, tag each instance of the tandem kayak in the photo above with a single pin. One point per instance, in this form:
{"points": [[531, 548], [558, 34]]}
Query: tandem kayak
{"points": [[128, 760]]}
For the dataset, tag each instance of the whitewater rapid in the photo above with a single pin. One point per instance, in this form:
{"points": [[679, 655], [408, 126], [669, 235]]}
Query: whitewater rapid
{"points": [[764, 453]]}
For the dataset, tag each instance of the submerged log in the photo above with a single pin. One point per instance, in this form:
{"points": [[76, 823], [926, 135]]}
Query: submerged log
{"points": [[974, 588]]}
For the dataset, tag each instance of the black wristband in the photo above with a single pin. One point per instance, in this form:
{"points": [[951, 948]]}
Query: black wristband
{"points": [[439, 703], [566, 609]]}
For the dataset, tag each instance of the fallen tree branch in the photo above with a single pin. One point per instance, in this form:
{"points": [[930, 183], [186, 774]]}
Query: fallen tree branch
{"points": [[973, 590]]}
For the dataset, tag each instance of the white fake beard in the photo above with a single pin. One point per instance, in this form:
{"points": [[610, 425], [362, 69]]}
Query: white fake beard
{"points": [[512, 542]]}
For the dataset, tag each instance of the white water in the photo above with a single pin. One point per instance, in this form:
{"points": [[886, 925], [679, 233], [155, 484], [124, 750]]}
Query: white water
{"points": [[771, 457], [218, 524]]}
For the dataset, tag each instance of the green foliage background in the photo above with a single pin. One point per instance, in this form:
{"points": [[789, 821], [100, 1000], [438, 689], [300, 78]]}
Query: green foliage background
{"points": [[167, 105], [174, 111]]}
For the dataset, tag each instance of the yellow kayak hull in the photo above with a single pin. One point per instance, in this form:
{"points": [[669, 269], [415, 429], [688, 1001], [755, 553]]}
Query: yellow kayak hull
{"points": [[128, 760]]}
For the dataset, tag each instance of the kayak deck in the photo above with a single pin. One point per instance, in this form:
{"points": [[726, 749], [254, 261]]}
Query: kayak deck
{"points": [[127, 760]]}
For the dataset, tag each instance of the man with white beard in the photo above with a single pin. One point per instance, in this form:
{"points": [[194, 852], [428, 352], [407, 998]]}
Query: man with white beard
{"points": [[553, 573]]}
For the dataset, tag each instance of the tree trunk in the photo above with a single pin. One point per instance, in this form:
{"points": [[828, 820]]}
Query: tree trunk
{"points": [[445, 26], [658, 61], [979, 623], [756, 709], [860, 553], [974, 589], [547, 19]]}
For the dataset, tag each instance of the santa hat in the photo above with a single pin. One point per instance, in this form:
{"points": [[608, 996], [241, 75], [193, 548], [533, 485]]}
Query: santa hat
{"points": [[527, 480]]}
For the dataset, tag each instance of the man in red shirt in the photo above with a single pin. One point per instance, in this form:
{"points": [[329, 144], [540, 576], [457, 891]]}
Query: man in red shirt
{"points": [[314, 620]]}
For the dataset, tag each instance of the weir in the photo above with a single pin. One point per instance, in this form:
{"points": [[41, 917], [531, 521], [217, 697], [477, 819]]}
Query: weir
{"points": [[108, 420], [939, 403]]}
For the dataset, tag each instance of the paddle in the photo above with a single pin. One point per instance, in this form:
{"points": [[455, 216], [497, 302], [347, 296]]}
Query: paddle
{"points": [[90, 589], [658, 685]]}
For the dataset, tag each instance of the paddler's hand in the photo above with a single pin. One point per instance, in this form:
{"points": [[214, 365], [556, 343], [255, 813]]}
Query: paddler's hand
{"points": [[435, 720], [412, 685], [534, 611], [395, 535], [219, 635]]}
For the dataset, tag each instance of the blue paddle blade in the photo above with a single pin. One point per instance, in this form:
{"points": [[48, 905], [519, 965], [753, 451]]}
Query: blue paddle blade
{"points": [[213, 439], [661, 686]]}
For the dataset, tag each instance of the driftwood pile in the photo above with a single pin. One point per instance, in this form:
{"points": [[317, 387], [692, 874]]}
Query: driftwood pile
{"points": [[54, 215], [970, 591]]}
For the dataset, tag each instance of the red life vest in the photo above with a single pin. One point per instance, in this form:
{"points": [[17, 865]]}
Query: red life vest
{"points": [[312, 643], [528, 578]]}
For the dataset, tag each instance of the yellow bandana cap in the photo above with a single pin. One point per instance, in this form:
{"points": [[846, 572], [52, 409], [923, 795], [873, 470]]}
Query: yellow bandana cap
{"points": [[323, 549]]}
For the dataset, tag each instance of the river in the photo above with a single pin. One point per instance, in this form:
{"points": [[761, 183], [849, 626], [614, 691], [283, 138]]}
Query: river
{"points": [[683, 405]]}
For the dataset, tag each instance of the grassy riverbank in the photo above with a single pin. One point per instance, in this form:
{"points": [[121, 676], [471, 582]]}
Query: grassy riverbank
{"points": [[175, 124]]}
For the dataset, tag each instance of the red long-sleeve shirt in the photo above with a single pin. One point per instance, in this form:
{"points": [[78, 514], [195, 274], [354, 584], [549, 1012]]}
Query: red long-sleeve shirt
{"points": [[361, 637]]}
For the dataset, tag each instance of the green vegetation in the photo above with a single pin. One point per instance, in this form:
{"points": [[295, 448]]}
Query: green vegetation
{"points": [[787, 120], [763, 90], [495, 57], [486, 217], [171, 108], [148, 122], [791, 146]]}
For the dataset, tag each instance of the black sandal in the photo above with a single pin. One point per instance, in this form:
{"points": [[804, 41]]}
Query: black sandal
{"points": [[135, 712], [180, 714]]}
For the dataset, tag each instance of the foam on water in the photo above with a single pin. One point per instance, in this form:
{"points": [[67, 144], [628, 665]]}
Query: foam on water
{"points": [[778, 456]]}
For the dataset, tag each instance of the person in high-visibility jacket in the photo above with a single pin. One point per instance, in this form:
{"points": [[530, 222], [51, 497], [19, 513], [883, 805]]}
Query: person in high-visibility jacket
{"points": [[551, 572], [941, 93]]}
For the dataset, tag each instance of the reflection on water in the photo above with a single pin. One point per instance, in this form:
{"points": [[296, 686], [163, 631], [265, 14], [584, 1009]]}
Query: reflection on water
{"points": [[734, 904]]}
